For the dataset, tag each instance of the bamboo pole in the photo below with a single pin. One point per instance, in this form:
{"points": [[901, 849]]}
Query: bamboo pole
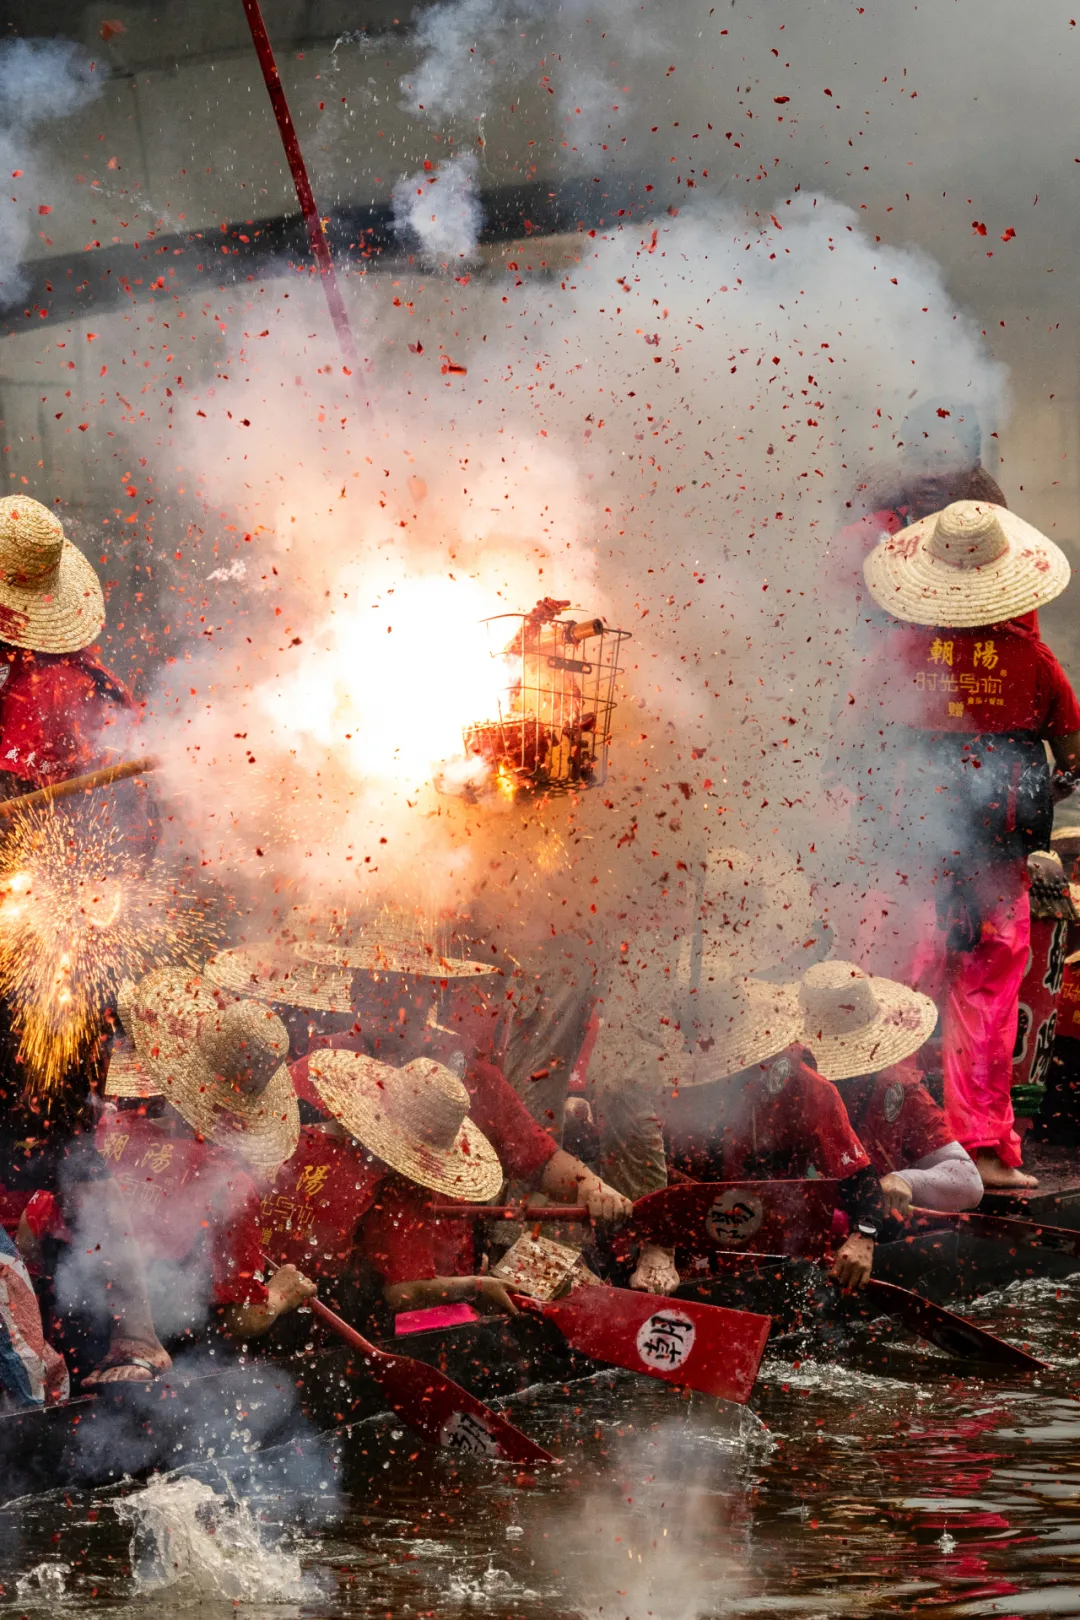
{"points": [[10, 808]]}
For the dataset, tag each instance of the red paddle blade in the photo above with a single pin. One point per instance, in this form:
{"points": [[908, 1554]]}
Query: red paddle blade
{"points": [[698, 1346], [765, 1217], [433, 1405], [947, 1330], [448, 1415]]}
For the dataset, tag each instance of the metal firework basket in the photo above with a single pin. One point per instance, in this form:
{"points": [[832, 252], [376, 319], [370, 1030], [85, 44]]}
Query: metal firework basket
{"points": [[556, 702]]}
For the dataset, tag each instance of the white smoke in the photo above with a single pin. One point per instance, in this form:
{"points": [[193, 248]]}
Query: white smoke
{"points": [[671, 431], [39, 80], [437, 211]]}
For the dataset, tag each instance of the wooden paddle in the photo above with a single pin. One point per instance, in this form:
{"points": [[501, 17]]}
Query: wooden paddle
{"points": [[775, 1217], [703, 1347], [998, 1228], [432, 1404], [949, 1332]]}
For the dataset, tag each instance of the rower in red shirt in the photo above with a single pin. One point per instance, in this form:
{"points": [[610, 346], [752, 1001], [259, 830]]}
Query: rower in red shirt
{"points": [[194, 1175], [972, 697], [864, 1032], [742, 1103], [62, 713], [414, 1006]]}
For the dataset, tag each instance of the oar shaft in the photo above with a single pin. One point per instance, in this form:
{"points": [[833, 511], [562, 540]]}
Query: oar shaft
{"points": [[76, 784], [999, 1229], [342, 1328], [526, 1213]]}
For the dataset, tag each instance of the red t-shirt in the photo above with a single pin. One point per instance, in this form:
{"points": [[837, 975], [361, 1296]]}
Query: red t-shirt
{"points": [[310, 1215], [405, 1243], [56, 712], [1002, 678], [184, 1193], [895, 1118], [776, 1122]]}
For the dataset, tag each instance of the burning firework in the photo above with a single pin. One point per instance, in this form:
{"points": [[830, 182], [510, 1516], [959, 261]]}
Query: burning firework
{"points": [[80, 912]]}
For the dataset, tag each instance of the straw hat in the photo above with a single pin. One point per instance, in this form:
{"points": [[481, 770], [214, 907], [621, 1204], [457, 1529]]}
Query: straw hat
{"points": [[221, 1068], [267, 972], [745, 1021], [759, 907], [50, 597], [414, 1118], [395, 941], [125, 1076], [855, 1023], [972, 564]]}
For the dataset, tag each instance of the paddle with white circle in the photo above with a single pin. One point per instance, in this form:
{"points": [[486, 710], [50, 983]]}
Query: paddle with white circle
{"points": [[703, 1347]]}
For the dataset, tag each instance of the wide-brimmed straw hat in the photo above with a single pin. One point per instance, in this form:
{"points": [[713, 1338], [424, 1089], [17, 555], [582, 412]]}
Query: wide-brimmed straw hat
{"points": [[739, 1022], [971, 564], [221, 1067], [855, 1023], [125, 1076], [415, 1118], [395, 940], [50, 596], [270, 972]]}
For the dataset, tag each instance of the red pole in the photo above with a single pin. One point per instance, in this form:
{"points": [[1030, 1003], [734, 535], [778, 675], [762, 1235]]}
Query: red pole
{"points": [[316, 235]]}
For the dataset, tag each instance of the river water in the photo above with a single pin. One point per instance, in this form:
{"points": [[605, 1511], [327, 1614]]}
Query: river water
{"points": [[835, 1493]]}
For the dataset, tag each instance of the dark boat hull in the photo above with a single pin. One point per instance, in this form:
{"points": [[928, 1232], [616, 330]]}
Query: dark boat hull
{"points": [[205, 1411]]}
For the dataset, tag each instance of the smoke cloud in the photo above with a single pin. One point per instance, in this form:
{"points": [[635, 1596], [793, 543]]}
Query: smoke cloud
{"points": [[671, 430], [442, 225], [39, 80]]}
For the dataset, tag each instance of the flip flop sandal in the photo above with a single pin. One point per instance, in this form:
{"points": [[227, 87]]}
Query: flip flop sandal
{"points": [[95, 1380]]}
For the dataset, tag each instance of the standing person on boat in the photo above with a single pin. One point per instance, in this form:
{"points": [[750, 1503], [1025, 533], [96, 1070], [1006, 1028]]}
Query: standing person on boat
{"points": [[863, 1031], [208, 1115], [58, 705], [972, 697], [739, 1101]]}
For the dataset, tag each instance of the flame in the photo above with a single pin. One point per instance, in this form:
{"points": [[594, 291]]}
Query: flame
{"points": [[506, 782], [393, 685]]}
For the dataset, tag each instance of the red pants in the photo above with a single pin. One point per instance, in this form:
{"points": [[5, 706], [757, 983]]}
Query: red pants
{"points": [[978, 993]]}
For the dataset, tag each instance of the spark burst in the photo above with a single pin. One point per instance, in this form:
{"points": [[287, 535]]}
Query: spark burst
{"points": [[81, 910]]}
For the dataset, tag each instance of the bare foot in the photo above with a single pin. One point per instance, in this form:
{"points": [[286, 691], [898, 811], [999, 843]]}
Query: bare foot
{"points": [[996, 1175], [130, 1361]]}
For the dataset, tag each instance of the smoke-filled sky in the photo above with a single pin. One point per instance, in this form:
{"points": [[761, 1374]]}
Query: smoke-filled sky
{"points": [[664, 421]]}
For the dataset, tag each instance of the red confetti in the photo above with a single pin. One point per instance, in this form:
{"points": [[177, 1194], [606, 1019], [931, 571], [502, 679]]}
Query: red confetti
{"points": [[108, 29], [44, 208], [1008, 235], [978, 228]]}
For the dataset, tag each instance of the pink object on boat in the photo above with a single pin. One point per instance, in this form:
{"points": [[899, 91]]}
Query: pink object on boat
{"points": [[434, 1316]]}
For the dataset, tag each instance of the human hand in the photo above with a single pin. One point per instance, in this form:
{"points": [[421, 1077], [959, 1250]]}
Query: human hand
{"points": [[854, 1262], [655, 1271], [288, 1288], [491, 1297], [604, 1203], [578, 1108], [897, 1194]]}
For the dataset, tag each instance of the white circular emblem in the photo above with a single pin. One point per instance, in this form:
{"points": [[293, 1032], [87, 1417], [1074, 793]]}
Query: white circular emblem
{"points": [[893, 1101], [777, 1076], [463, 1432], [735, 1215], [665, 1340], [456, 1064]]}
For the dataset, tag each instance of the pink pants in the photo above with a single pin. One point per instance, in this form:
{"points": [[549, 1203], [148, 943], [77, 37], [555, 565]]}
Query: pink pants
{"points": [[979, 995]]}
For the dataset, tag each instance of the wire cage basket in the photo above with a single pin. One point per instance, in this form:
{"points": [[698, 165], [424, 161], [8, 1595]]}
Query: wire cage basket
{"points": [[556, 701]]}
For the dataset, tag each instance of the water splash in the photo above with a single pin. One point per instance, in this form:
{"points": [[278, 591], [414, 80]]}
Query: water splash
{"points": [[44, 1584], [184, 1531]]}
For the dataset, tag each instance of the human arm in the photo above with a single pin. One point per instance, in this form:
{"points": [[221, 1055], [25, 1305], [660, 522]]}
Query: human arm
{"points": [[286, 1289], [567, 1180], [860, 1197], [488, 1294], [945, 1179], [1066, 751]]}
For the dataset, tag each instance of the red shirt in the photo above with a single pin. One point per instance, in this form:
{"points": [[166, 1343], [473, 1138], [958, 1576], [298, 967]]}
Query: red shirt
{"points": [[185, 1194], [775, 1122], [405, 1243], [310, 1215], [1002, 678], [56, 712], [896, 1119]]}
